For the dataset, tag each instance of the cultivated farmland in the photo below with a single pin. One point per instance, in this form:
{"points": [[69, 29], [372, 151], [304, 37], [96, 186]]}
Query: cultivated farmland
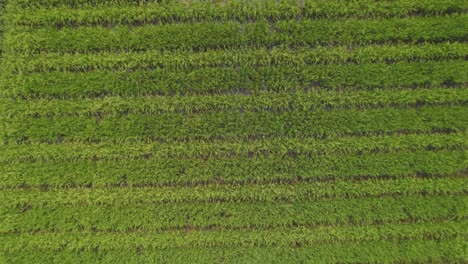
{"points": [[233, 131]]}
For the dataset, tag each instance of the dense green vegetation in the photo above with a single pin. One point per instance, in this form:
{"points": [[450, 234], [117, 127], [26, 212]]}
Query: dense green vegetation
{"points": [[233, 131]]}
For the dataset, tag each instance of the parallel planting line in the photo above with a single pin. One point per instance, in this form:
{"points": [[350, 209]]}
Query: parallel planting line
{"points": [[230, 170], [183, 11], [183, 60], [246, 138], [233, 131], [208, 81], [354, 211], [213, 4], [298, 191], [272, 102], [172, 126], [294, 181], [217, 35], [297, 147], [403, 251], [25, 4], [214, 229], [274, 237]]}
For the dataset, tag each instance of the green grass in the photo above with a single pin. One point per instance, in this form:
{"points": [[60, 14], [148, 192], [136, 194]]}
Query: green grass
{"points": [[233, 131]]}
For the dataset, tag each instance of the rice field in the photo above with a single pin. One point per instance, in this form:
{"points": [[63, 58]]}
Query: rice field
{"points": [[233, 131]]}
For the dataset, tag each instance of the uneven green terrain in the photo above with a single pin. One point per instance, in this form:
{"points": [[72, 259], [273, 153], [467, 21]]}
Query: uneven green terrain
{"points": [[233, 131]]}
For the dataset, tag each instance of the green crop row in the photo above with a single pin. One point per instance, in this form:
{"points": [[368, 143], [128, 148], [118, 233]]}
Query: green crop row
{"points": [[240, 10], [242, 57], [2, 26], [230, 170], [234, 215], [25, 4], [442, 251], [233, 131], [275, 102], [405, 251], [229, 125], [234, 34], [242, 79], [299, 191], [231, 238], [233, 148]]}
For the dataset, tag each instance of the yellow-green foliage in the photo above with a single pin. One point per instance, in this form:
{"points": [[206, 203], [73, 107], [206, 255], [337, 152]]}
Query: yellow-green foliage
{"points": [[233, 131]]}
